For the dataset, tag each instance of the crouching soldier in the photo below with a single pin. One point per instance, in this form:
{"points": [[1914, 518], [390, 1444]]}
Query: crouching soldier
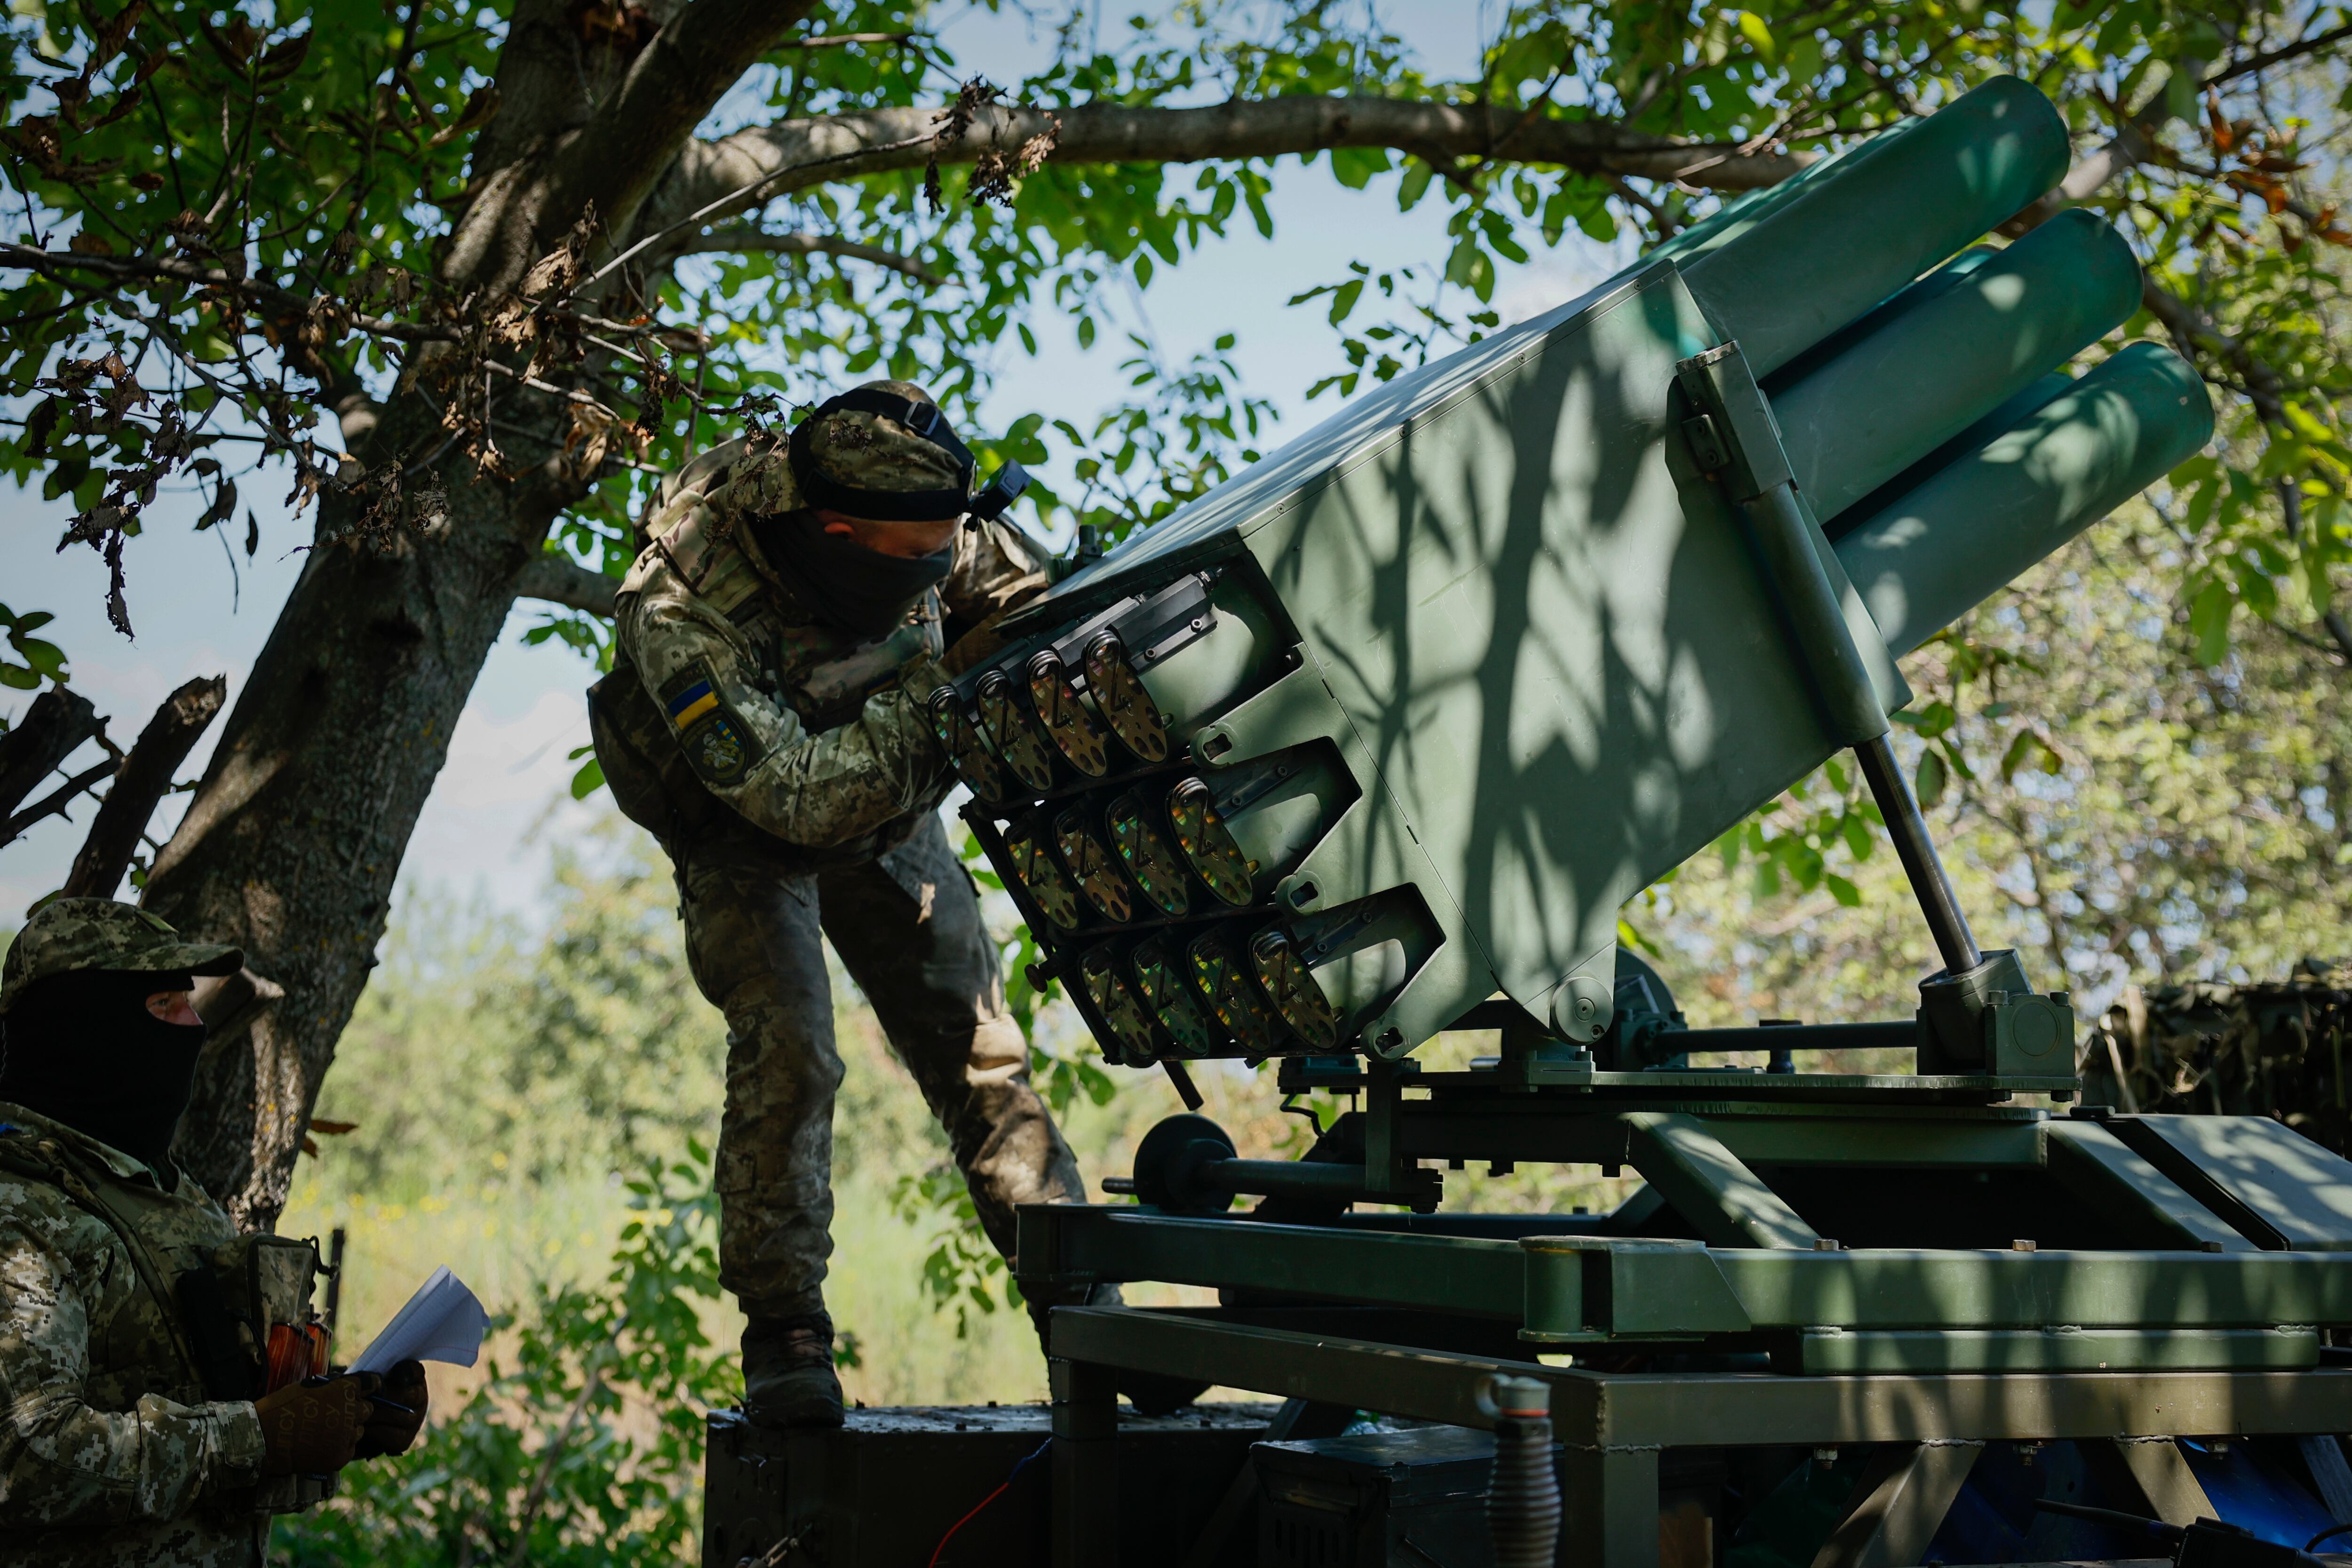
{"points": [[163, 1387], [777, 639]]}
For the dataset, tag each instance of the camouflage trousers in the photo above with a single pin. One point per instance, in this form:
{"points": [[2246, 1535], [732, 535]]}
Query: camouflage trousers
{"points": [[907, 927]]}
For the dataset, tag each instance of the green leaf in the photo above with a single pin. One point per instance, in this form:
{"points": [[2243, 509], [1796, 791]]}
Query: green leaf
{"points": [[2020, 750], [2209, 622], [1931, 779], [1418, 173], [1844, 891], [46, 657], [1759, 36], [588, 781]]}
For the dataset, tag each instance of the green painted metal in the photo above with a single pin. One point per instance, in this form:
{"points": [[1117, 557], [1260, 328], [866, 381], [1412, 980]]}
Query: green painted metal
{"points": [[1580, 1288], [1516, 642], [2100, 1168], [1790, 267], [1859, 420], [1960, 533], [1707, 1182], [2299, 1193], [1823, 1352], [1072, 1245], [1598, 1411], [1896, 1289]]}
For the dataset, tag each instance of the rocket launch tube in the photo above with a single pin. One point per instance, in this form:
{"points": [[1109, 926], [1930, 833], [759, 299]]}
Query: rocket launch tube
{"points": [[1967, 346], [1964, 532], [1784, 270]]}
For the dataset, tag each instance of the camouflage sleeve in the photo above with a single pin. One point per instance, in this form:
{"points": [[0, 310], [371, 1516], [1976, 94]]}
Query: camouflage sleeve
{"points": [[62, 1461], [996, 567], [753, 752]]}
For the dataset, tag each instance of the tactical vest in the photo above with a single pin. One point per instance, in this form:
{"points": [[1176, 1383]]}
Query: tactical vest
{"points": [[223, 1314]]}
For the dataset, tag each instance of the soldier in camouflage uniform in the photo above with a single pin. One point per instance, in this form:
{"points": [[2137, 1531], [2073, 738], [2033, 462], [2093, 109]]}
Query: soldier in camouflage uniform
{"points": [[130, 1353], [777, 638]]}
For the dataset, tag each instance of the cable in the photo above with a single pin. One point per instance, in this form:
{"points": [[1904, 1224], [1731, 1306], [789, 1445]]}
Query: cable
{"points": [[2331, 1530], [1002, 1488]]}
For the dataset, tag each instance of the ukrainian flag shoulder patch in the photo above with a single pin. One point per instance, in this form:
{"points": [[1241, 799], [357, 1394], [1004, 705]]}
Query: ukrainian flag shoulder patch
{"points": [[697, 699], [718, 744]]}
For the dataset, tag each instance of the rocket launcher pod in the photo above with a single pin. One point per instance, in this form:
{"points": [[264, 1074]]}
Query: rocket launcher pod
{"points": [[1532, 624], [1965, 346], [1970, 524]]}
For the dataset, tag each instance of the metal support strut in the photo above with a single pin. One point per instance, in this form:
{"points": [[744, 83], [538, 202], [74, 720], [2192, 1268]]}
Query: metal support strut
{"points": [[1734, 437], [1916, 850]]}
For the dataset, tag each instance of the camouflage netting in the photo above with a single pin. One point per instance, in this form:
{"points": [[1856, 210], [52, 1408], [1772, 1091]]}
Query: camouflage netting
{"points": [[2271, 1050]]}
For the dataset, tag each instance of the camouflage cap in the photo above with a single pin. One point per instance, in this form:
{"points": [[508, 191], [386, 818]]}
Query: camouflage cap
{"points": [[72, 933], [884, 451]]}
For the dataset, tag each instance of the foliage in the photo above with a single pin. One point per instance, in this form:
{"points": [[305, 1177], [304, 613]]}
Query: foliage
{"points": [[962, 1270], [2193, 825], [218, 278], [586, 1448], [589, 1047], [234, 220], [35, 659]]}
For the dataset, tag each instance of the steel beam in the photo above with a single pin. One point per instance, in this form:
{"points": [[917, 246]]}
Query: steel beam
{"points": [[1888, 1289], [2099, 1168], [1708, 1186], [1899, 1505], [1618, 1410], [1068, 1245], [1609, 1502], [2168, 1487]]}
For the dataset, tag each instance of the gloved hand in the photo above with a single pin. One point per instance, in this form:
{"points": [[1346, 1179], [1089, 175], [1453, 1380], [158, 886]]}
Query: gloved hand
{"points": [[396, 1413], [312, 1427], [977, 646]]}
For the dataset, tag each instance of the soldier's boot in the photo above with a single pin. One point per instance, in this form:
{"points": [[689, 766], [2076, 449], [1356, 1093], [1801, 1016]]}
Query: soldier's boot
{"points": [[788, 1375]]}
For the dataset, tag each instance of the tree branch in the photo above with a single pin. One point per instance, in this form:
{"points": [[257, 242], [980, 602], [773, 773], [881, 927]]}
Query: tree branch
{"points": [[247, 295], [52, 728], [557, 580], [55, 802], [744, 238], [621, 153], [144, 776], [2301, 48], [835, 40], [2194, 332], [1263, 128]]}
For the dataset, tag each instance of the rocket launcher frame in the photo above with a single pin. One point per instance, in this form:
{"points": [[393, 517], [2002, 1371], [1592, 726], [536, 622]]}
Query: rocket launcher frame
{"points": [[1398, 718]]}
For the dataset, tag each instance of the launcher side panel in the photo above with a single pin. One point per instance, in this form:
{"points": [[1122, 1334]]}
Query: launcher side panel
{"points": [[1548, 635]]}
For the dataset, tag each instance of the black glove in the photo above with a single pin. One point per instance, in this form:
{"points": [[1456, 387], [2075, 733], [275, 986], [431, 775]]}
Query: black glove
{"points": [[395, 1412], [312, 1427]]}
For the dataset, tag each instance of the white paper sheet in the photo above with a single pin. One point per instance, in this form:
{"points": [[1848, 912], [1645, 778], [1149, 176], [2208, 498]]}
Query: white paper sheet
{"points": [[443, 1322]]}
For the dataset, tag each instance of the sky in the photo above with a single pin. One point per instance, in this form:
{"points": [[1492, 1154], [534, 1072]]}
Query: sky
{"points": [[484, 832]]}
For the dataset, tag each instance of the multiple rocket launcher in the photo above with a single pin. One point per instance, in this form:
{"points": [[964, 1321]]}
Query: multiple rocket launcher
{"points": [[1400, 717]]}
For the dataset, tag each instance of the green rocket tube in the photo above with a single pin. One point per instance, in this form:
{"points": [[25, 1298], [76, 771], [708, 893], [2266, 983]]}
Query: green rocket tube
{"points": [[1962, 533]]}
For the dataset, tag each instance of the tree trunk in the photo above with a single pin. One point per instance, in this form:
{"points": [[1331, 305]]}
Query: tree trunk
{"points": [[294, 841], [297, 833]]}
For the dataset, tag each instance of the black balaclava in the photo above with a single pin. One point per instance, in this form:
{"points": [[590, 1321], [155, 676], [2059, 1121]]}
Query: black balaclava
{"points": [[862, 591], [82, 1048]]}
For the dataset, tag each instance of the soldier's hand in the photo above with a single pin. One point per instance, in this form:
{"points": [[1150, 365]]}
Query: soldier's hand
{"points": [[395, 1412], [312, 1427], [977, 646]]}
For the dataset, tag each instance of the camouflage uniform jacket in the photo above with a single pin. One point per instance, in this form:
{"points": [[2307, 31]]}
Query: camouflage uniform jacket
{"points": [[110, 1452], [807, 732]]}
